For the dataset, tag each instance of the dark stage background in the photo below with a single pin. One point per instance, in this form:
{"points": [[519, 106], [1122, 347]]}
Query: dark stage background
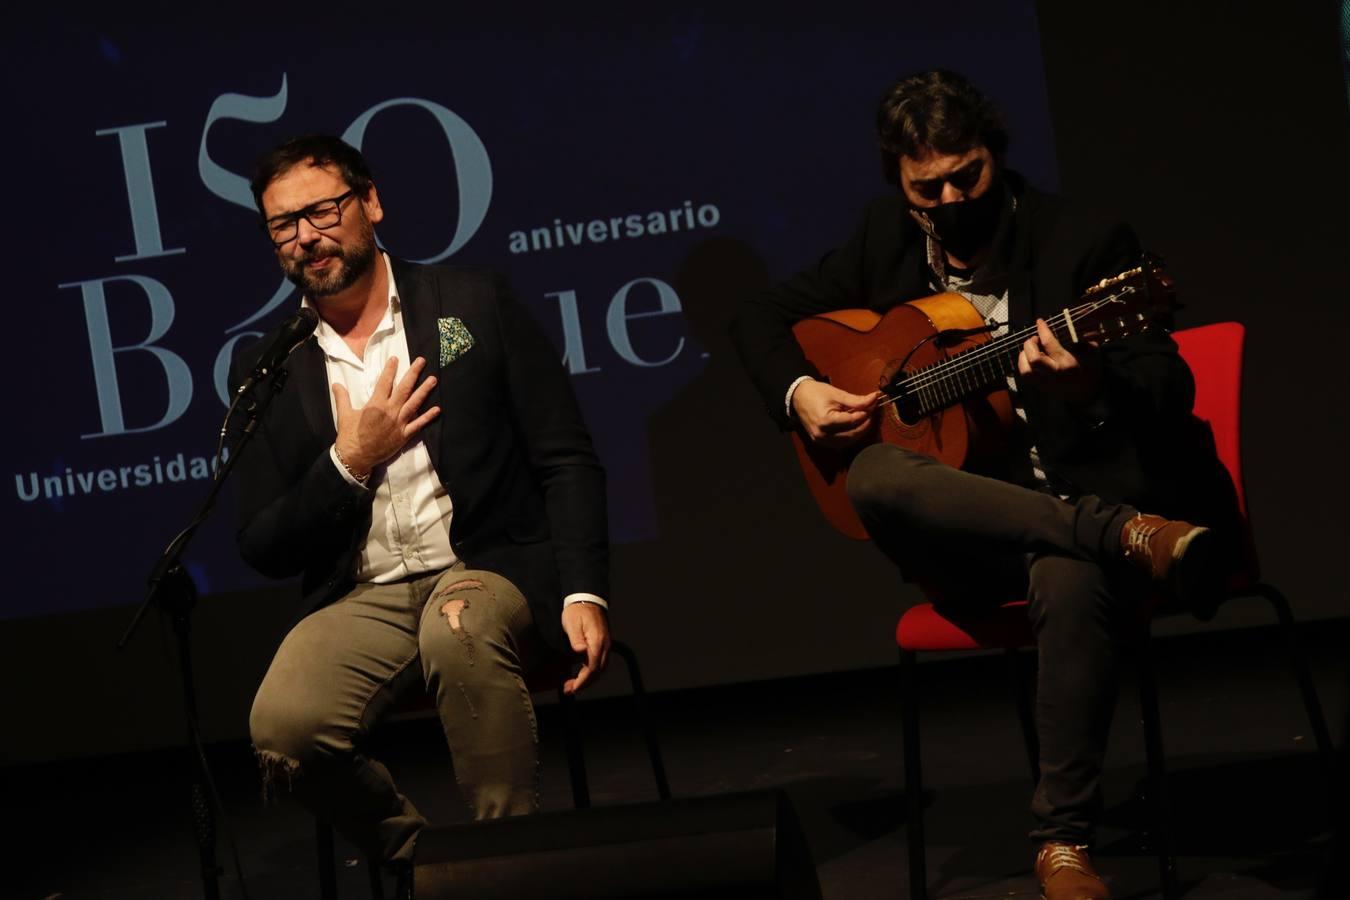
{"points": [[1221, 134]]}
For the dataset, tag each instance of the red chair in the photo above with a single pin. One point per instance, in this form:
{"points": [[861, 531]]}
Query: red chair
{"points": [[1214, 354]]}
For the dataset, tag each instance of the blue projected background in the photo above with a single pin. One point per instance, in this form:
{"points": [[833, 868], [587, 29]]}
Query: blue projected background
{"points": [[589, 164]]}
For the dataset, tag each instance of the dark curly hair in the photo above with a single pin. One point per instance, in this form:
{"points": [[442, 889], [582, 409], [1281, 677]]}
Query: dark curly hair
{"points": [[938, 110], [315, 150]]}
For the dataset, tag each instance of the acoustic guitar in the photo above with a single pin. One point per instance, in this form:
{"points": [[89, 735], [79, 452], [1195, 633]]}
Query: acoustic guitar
{"points": [[944, 379]]}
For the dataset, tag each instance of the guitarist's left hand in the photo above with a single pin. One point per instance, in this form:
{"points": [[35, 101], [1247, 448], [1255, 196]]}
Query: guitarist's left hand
{"points": [[1044, 362]]}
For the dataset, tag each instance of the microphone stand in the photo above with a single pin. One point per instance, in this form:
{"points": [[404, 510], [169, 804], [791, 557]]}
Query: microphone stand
{"points": [[171, 589]]}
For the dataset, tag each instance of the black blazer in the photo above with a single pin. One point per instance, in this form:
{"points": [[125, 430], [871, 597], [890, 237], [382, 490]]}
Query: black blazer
{"points": [[509, 446], [1138, 443]]}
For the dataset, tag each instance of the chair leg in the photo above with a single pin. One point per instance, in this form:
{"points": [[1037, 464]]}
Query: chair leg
{"points": [[1157, 774], [644, 718], [909, 718], [1022, 694], [376, 880], [1299, 663], [323, 835], [576, 754]]}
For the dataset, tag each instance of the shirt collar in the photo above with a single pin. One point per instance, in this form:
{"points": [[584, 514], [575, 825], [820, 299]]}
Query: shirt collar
{"points": [[332, 344]]}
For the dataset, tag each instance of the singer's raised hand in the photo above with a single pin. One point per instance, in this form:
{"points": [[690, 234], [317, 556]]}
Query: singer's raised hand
{"points": [[376, 432]]}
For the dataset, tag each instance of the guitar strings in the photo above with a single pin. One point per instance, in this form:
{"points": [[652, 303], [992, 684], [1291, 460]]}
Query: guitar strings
{"points": [[928, 384], [942, 369], [940, 374]]}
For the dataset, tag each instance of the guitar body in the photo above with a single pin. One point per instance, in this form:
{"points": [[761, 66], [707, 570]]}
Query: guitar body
{"points": [[859, 351]]}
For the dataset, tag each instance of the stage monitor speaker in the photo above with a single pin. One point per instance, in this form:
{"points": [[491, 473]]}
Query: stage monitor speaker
{"points": [[748, 846]]}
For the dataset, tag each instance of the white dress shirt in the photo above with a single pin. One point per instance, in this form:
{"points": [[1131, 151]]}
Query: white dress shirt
{"points": [[411, 510]]}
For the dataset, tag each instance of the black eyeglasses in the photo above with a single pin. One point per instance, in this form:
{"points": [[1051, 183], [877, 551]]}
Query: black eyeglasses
{"points": [[322, 215]]}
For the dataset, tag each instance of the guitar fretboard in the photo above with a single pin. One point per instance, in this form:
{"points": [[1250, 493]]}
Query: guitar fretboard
{"points": [[946, 383]]}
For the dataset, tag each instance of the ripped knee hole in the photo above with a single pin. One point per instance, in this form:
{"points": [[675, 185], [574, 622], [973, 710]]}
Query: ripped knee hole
{"points": [[452, 608], [274, 766]]}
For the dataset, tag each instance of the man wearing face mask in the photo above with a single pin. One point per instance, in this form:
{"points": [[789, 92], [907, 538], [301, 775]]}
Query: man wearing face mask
{"points": [[1100, 434]]}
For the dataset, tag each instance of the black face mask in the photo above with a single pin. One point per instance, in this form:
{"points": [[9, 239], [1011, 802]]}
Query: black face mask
{"points": [[963, 228]]}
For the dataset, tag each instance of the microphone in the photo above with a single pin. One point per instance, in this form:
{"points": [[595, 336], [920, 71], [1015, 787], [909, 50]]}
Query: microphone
{"points": [[294, 332]]}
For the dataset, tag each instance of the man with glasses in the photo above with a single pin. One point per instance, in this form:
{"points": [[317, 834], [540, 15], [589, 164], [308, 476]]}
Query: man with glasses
{"points": [[427, 474]]}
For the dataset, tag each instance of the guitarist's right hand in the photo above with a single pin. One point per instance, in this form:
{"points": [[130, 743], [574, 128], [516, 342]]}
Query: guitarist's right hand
{"points": [[833, 417]]}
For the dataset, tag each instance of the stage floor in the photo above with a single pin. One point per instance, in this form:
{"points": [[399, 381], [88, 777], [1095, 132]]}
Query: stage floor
{"points": [[1252, 807]]}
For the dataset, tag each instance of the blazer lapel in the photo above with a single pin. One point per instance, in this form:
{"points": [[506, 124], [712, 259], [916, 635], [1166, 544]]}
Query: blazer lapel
{"points": [[1019, 260], [420, 306], [310, 379]]}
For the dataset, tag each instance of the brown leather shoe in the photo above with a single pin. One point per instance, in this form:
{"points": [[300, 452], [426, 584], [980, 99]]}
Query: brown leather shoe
{"points": [[1065, 873], [1182, 559]]}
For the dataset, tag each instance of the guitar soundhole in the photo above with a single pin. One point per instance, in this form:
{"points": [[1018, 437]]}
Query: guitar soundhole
{"points": [[903, 409]]}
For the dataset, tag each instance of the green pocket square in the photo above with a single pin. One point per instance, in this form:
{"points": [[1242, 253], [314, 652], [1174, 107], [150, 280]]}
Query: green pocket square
{"points": [[455, 339]]}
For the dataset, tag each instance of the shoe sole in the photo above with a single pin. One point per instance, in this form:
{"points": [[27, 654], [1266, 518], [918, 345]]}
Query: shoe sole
{"points": [[1197, 578]]}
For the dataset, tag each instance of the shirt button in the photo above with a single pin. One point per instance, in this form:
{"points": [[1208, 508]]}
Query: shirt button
{"points": [[408, 553]]}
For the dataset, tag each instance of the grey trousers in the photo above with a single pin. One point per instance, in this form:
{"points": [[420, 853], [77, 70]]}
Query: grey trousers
{"points": [[466, 638], [975, 542]]}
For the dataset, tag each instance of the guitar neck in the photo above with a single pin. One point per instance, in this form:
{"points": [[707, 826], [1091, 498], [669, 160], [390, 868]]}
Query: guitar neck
{"points": [[952, 380]]}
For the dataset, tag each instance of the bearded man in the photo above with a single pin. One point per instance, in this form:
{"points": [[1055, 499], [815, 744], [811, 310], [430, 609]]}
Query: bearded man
{"points": [[427, 474]]}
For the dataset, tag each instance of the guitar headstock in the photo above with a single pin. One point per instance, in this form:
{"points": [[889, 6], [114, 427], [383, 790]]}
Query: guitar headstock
{"points": [[1137, 300]]}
